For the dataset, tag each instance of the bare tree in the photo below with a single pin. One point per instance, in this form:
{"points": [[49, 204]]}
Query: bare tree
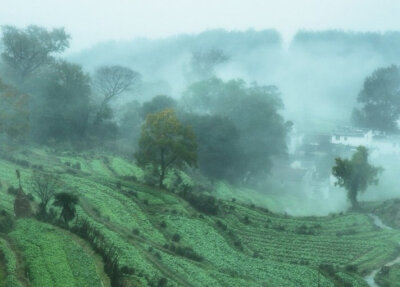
{"points": [[44, 185], [111, 81]]}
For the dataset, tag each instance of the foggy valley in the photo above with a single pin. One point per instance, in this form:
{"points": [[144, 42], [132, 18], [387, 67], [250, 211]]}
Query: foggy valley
{"points": [[202, 148]]}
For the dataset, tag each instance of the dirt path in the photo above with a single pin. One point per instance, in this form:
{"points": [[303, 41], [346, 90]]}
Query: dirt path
{"points": [[370, 278]]}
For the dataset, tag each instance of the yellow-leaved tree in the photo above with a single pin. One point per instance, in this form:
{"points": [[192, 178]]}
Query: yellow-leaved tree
{"points": [[166, 143]]}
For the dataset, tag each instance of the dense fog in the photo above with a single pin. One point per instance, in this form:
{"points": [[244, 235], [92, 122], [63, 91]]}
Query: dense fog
{"points": [[264, 114]]}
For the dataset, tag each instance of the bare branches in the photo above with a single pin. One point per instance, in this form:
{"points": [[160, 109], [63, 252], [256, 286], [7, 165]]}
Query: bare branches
{"points": [[44, 185], [111, 81]]}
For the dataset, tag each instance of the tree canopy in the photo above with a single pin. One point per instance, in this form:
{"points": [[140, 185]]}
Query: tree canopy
{"points": [[380, 100], [14, 112], [67, 202], [218, 145], [355, 174], [64, 106], [165, 143], [204, 62], [26, 50], [254, 112]]}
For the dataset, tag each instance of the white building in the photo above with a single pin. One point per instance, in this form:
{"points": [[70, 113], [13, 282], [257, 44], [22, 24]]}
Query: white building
{"points": [[378, 143]]}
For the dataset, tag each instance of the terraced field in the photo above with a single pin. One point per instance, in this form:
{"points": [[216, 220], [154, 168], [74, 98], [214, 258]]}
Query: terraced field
{"points": [[162, 239]]}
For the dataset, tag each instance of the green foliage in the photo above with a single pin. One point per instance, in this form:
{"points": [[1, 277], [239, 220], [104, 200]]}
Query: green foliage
{"points": [[7, 222], [165, 143], [10, 261], [44, 185], [14, 112], [26, 50], [355, 174], [202, 202], [107, 251], [389, 276], [380, 100], [158, 104], [218, 145], [52, 258], [265, 249], [254, 112], [67, 202], [204, 62], [64, 108]]}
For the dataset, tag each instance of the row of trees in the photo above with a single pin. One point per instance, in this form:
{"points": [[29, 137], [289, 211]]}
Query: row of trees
{"points": [[232, 130], [64, 103]]}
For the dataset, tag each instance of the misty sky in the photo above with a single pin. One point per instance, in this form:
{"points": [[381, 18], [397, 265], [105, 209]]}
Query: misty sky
{"points": [[91, 21]]}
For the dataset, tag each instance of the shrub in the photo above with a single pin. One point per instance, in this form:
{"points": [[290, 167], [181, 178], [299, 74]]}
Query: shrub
{"points": [[352, 268], [222, 225], [279, 227], [128, 270], [6, 222], [162, 282], [327, 268], [176, 237], [201, 202], [12, 190], [77, 166], [185, 251], [238, 244], [163, 224], [304, 229]]}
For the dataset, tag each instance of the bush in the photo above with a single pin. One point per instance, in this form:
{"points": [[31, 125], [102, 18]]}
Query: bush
{"points": [[185, 251], [176, 237], [352, 268], [238, 244], [6, 222], [162, 282], [12, 190], [77, 166], [304, 229], [201, 202], [279, 227], [222, 225], [327, 268], [128, 270], [163, 224]]}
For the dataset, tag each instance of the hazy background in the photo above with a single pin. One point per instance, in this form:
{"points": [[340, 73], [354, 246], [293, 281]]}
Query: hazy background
{"points": [[317, 52], [91, 21]]}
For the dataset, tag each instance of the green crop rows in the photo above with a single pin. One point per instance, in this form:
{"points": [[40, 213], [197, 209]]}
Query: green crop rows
{"points": [[274, 250]]}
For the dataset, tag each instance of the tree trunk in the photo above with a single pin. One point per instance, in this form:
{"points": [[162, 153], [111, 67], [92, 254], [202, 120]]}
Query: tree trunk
{"points": [[353, 199], [162, 166]]}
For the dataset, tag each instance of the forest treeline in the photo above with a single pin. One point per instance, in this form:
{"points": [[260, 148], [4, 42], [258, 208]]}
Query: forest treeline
{"points": [[228, 128]]}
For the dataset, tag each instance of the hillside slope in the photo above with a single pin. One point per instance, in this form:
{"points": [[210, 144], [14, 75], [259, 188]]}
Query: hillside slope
{"points": [[162, 240]]}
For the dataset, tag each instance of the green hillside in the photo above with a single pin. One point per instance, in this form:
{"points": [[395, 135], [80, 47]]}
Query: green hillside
{"points": [[162, 240]]}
